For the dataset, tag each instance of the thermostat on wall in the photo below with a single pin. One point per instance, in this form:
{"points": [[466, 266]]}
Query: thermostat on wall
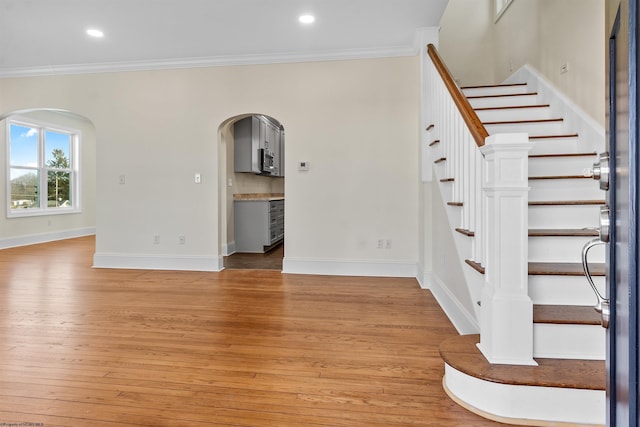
{"points": [[303, 166]]}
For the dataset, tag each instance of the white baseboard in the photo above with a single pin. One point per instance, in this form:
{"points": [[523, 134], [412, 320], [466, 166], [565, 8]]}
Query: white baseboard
{"points": [[157, 262], [229, 249], [464, 322], [34, 239], [348, 268]]}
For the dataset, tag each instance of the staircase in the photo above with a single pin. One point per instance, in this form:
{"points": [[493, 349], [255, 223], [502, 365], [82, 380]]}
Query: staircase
{"points": [[568, 385]]}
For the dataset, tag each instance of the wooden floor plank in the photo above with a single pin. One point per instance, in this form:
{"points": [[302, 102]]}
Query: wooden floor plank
{"points": [[83, 346]]}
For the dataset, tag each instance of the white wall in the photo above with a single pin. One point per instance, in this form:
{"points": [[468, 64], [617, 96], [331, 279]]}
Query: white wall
{"points": [[35, 229], [466, 40], [542, 33], [356, 122]]}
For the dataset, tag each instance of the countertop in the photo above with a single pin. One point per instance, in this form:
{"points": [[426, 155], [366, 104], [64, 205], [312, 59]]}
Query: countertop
{"points": [[258, 196]]}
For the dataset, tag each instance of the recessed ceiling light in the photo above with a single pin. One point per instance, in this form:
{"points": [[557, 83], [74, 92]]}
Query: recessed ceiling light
{"points": [[307, 19], [93, 32]]}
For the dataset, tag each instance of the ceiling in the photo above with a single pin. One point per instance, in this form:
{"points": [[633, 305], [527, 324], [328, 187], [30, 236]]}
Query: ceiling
{"points": [[49, 36]]}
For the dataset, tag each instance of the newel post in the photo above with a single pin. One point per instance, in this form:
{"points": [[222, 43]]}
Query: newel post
{"points": [[506, 321]]}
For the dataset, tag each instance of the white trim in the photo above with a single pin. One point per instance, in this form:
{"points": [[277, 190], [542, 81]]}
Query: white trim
{"points": [[335, 267], [219, 61], [229, 249], [499, 11], [464, 322], [34, 239], [157, 262], [531, 405]]}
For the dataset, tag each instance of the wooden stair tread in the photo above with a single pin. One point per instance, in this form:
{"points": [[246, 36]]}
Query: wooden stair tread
{"points": [[512, 107], [563, 232], [590, 154], [468, 233], [566, 202], [440, 160], [566, 315], [515, 122], [560, 177], [437, 141], [564, 269], [565, 135], [475, 265], [551, 268], [431, 126], [502, 95], [447, 180], [461, 353], [455, 203], [493, 86]]}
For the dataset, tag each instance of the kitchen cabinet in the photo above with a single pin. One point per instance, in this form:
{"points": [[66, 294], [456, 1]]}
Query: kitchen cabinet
{"points": [[258, 146], [247, 145], [258, 224]]}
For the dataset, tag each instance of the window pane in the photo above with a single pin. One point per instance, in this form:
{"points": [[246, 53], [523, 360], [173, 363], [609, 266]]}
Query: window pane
{"points": [[24, 189], [23, 145], [57, 149], [59, 189]]}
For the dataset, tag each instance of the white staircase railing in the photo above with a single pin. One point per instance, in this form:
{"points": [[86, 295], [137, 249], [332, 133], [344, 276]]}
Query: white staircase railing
{"points": [[490, 188]]}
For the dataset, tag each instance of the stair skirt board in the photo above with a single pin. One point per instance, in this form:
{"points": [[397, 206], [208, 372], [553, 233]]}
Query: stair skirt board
{"points": [[566, 341], [526, 405]]}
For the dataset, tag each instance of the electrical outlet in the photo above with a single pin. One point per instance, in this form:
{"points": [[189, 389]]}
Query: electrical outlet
{"points": [[156, 239], [122, 179], [181, 239], [564, 68], [380, 243], [387, 244]]}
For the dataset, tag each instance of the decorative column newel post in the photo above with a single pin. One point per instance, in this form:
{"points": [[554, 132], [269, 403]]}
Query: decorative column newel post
{"points": [[506, 320]]}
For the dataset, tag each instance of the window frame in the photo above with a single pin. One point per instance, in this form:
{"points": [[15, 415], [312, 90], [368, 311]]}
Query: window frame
{"points": [[500, 8], [43, 170]]}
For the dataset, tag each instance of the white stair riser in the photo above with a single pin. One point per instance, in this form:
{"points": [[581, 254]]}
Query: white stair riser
{"points": [[564, 290], [564, 189], [562, 249], [546, 166], [495, 90], [580, 216], [503, 101], [514, 404], [512, 114], [536, 128], [556, 146], [569, 341]]}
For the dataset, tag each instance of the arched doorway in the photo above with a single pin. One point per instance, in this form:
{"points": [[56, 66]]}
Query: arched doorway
{"points": [[251, 168], [51, 195]]}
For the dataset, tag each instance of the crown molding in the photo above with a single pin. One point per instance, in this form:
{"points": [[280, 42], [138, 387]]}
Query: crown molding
{"points": [[201, 62]]}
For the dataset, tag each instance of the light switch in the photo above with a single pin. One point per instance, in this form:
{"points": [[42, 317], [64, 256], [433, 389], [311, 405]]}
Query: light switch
{"points": [[303, 166]]}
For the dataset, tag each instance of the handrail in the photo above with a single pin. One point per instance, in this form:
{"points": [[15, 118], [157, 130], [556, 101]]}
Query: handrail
{"points": [[470, 117]]}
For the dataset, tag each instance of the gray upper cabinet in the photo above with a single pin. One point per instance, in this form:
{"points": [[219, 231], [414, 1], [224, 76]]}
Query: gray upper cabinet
{"points": [[258, 146], [246, 142]]}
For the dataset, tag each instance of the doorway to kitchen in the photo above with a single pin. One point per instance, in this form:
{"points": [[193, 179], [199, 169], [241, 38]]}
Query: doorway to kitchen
{"points": [[251, 163]]}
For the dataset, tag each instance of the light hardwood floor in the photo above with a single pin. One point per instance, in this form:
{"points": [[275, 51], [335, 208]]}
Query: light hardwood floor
{"points": [[92, 347]]}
